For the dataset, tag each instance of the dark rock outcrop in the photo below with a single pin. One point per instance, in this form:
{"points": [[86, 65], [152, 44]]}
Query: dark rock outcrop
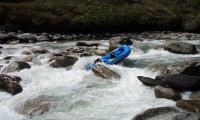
{"points": [[180, 47], [168, 93], [104, 72], [63, 61], [5, 37], [189, 105], [149, 81], [16, 66], [180, 82], [10, 84]]}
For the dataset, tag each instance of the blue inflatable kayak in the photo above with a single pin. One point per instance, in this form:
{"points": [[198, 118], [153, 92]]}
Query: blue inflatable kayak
{"points": [[113, 57]]}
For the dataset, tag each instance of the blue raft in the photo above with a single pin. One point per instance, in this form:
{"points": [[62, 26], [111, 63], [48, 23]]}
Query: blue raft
{"points": [[119, 54]]}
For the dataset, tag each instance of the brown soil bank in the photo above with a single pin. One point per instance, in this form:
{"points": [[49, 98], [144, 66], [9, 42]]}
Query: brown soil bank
{"points": [[100, 15]]}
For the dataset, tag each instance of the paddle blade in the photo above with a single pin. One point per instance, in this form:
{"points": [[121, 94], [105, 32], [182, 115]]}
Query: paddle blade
{"points": [[89, 67]]}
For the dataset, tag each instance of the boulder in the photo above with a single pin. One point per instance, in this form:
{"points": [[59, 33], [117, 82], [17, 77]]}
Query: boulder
{"points": [[180, 82], [38, 50], [26, 52], [36, 106], [10, 84], [104, 72], [63, 61], [168, 93], [180, 47], [166, 113], [100, 52], [120, 41], [189, 67], [149, 81], [27, 37], [5, 37], [189, 105], [87, 44], [195, 95], [43, 37], [57, 37], [27, 59], [16, 66]]}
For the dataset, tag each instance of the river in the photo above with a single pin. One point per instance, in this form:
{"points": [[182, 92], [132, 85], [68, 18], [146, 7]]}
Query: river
{"points": [[77, 94]]}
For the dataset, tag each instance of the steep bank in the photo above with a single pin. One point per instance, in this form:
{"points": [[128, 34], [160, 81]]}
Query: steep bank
{"points": [[100, 15]]}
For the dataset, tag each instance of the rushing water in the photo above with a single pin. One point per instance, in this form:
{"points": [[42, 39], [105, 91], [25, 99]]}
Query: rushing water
{"points": [[78, 94]]}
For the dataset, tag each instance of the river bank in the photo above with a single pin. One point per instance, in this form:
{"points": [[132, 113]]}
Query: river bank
{"points": [[21, 37]]}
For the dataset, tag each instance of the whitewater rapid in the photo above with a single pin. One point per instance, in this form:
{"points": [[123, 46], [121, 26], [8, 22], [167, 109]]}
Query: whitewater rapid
{"points": [[77, 94]]}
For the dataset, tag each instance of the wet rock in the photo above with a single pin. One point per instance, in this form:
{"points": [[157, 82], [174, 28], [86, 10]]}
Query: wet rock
{"points": [[180, 82], [159, 113], [161, 68], [75, 50], [166, 113], [57, 37], [36, 106], [16, 66], [13, 42], [26, 52], [149, 81], [5, 37], [120, 41], [27, 37], [53, 56], [100, 52], [9, 58], [43, 37], [189, 67], [168, 93], [63, 61], [87, 44], [38, 50], [27, 59], [112, 47], [104, 72], [10, 84], [195, 95], [189, 105], [180, 47], [85, 54]]}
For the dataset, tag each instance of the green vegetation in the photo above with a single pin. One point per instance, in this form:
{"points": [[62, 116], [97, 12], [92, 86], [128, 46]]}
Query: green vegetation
{"points": [[99, 15]]}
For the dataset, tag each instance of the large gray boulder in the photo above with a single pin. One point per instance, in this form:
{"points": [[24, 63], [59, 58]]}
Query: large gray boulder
{"points": [[63, 61], [189, 67], [10, 84], [38, 50], [104, 72], [180, 47], [168, 93], [189, 105], [16, 66], [166, 113], [43, 37], [27, 37]]}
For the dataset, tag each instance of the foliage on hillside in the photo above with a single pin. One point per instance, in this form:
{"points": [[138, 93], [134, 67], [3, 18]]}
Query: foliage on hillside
{"points": [[100, 15]]}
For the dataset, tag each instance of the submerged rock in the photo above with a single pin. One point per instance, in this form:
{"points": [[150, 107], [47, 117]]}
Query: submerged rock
{"points": [[63, 61], [189, 105], [168, 93], [16, 66], [36, 106], [10, 84], [104, 72], [180, 47]]}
